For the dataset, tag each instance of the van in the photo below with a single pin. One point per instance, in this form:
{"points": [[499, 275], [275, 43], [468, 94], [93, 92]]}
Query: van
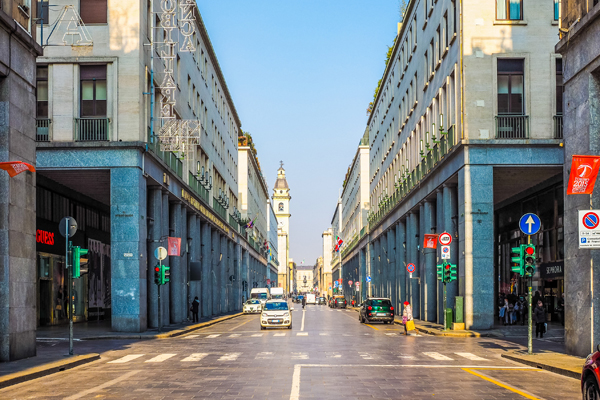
{"points": [[311, 299], [261, 294], [277, 293]]}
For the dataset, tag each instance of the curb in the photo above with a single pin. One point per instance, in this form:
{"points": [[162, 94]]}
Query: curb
{"points": [[546, 367], [46, 369]]}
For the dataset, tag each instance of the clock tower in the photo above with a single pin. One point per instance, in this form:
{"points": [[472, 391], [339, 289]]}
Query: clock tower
{"points": [[281, 204]]}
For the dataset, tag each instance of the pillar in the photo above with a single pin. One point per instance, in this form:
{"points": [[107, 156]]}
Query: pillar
{"points": [[391, 265], [206, 261], [193, 237], [237, 283], [375, 268], [451, 226], [414, 287], [370, 257], [216, 253], [246, 275], [440, 227], [430, 278], [400, 265], [165, 289], [362, 266], [154, 233], [230, 273], [175, 286]]}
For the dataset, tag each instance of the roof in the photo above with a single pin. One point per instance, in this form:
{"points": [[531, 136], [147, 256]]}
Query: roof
{"points": [[281, 183]]}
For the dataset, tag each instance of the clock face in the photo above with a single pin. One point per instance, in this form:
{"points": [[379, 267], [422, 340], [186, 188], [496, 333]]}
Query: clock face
{"points": [[280, 223]]}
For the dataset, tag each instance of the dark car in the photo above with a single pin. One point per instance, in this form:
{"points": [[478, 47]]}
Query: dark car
{"points": [[299, 299], [339, 302], [376, 309], [590, 376], [322, 300]]}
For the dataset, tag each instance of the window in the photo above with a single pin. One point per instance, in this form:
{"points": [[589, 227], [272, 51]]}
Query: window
{"points": [[556, 10], [93, 90], [455, 18], [280, 207], [509, 9], [93, 11], [510, 87], [559, 87], [42, 12], [42, 92]]}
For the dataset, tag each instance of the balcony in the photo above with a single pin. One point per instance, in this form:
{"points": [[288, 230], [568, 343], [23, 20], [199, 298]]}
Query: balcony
{"points": [[558, 127], [92, 129], [512, 126], [42, 133]]}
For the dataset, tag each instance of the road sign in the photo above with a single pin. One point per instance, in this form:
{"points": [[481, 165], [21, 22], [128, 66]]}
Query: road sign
{"points": [[357, 284], [368, 279], [589, 229], [411, 268], [445, 252], [530, 224], [350, 283], [67, 222], [445, 239], [160, 253], [329, 287]]}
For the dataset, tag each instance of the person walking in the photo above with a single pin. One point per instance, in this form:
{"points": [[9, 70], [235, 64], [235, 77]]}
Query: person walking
{"points": [[194, 309], [505, 312], [522, 309], [539, 317], [406, 317], [303, 302]]}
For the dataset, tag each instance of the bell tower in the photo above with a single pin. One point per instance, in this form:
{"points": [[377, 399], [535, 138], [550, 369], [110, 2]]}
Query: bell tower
{"points": [[281, 204]]}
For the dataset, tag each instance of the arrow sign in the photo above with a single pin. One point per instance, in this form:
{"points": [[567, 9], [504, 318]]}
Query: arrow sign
{"points": [[530, 224], [368, 279]]}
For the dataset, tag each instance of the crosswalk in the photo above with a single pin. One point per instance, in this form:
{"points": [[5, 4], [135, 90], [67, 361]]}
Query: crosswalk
{"points": [[277, 333], [266, 355]]}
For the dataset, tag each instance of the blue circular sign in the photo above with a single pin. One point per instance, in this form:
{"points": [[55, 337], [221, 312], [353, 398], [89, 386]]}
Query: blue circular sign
{"points": [[591, 220], [368, 279], [411, 268], [530, 224]]}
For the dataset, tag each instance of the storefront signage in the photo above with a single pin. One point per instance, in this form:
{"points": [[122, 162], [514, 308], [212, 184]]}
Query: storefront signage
{"points": [[196, 204], [552, 270], [44, 237]]}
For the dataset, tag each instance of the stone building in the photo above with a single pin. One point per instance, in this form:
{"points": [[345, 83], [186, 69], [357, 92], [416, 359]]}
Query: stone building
{"points": [[138, 141], [580, 48], [465, 136], [18, 51]]}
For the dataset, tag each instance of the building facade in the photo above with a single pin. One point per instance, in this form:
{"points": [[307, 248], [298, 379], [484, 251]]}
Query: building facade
{"points": [[468, 105], [137, 139], [327, 238], [281, 204], [304, 277], [580, 48], [18, 231]]}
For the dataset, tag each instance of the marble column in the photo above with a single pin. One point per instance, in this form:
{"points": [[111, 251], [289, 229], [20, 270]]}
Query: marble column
{"points": [[206, 269], [154, 233], [375, 268], [400, 265], [193, 287], [476, 243], [223, 274], [451, 226], [421, 265], [216, 255], [430, 278], [391, 265], [362, 266], [175, 287], [413, 257], [440, 227], [370, 257], [165, 298], [237, 283], [230, 274], [246, 275]]}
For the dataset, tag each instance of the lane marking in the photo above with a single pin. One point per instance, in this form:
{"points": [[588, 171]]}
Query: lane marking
{"points": [[188, 337], [371, 326], [324, 334], [365, 356], [471, 356], [302, 326], [195, 357], [160, 358], [302, 334], [235, 327], [299, 356], [295, 394], [229, 356], [279, 334], [264, 355], [438, 356], [504, 385], [103, 386], [213, 336], [257, 335], [125, 359], [235, 335]]}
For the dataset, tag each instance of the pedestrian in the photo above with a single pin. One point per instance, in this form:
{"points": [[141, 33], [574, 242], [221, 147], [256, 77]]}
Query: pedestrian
{"points": [[539, 317], [522, 309], [194, 309], [303, 301], [560, 310], [505, 312], [406, 317], [537, 297]]}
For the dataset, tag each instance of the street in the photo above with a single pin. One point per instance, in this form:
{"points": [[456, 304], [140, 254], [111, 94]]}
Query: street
{"points": [[327, 355]]}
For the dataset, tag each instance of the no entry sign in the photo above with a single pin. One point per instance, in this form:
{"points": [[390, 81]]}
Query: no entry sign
{"points": [[411, 268], [445, 239]]}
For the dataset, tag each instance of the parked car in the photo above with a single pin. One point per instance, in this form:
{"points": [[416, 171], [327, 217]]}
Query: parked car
{"points": [[339, 302], [376, 310], [252, 306], [322, 300], [590, 376], [276, 314]]}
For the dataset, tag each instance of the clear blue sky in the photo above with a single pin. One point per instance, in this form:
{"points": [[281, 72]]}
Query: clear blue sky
{"points": [[301, 74]]}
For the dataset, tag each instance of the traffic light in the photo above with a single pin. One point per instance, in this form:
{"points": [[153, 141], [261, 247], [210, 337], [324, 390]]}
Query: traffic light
{"points": [[447, 274], [165, 274], [517, 260], [529, 259], [440, 272], [453, 272], [76, 253], [157, 274]]}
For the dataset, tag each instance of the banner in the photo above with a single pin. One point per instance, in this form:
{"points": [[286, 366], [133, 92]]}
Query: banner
{"points": [[174, 248], [430, 241], [584, 170], [16, 167]]}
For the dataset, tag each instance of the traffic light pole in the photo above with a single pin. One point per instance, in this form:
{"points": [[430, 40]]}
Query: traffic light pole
{"points": [[529, 324], [70, 284], [445, 305]]}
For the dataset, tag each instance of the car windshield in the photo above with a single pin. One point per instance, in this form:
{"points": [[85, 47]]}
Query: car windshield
{"points": [[276, 306], [381, 303], [300, 297], [253, 302], [262, 296]]}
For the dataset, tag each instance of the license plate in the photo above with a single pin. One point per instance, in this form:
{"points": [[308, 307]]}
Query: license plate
{"points": [[275, 320], [381, 314]]}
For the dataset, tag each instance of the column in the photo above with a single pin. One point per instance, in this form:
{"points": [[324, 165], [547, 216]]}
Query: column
{"points": [[400, 265], [230, 274], [237, 283], [370, 258], [440, 227], [165, 289], [391, 265], [246, 274], [375, 268], [430, 278], [451, 226], [216, 289], [223, 274], [362, 262], [193, 287], [154, 232], [128, 274], [476, 244], [206, 269], [421, 265], [413, 257], [175, 288]]}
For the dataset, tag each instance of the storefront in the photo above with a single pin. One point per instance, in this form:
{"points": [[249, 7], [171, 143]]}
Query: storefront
{"points": [[552, 275]]}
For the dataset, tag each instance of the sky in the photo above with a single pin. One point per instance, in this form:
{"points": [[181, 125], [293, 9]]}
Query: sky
{"points": [[301, 74]]}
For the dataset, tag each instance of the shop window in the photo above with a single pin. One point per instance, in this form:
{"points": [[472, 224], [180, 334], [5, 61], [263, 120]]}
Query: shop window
{"points": [[509, 10], [93, 90], [510, 87], [93, 11]]}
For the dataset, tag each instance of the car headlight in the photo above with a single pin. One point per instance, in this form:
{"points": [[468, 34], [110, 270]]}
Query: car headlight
{"points": [[287, 314]]}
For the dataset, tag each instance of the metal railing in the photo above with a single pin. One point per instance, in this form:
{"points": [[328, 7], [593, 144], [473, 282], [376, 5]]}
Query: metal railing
{"points": [[512, 126], [92, 129], [42, 133], [558, 127], [219, 209]]}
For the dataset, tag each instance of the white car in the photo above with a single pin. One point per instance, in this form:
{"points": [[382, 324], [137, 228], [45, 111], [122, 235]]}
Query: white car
{"points": [[276, 314], [252, 306]]}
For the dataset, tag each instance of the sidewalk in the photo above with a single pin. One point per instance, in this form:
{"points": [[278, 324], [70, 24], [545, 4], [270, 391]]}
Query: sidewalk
{"points": [[90, 339]]}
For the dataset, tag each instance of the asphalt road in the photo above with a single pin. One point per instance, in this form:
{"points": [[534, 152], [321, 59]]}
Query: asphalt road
{"points": [[327, 355]]}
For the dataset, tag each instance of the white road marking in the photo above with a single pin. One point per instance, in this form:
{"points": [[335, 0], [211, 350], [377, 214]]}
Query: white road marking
{"points": [[161, 358], [279, 334], [408, 357], [264, 355], [302, 334], [392, 333], [438, 356], [295, 394], [471, 356], [299, 356], [333, 355], [324, 334], [257, 335], [103, 386], [190, 336], [302, 325], [195, 357], [125, 359], [365, 356], [235, 335], [213, 336], [229, 356]]}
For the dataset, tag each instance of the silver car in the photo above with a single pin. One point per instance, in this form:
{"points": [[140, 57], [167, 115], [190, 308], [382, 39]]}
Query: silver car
{"points": [[276, 314], [252, 306]]}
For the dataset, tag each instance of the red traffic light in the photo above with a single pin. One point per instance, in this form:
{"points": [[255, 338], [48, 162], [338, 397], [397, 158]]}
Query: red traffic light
{"points": [[157, 269], [529, 250], [448, 266]]}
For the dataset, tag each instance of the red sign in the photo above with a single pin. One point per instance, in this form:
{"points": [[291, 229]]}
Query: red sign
{"points": [[584, 170], [174, 246], [350, 283], [445, 239], [44, 237], [16, 167], [430, 241], [411, 268], [268, 281]]}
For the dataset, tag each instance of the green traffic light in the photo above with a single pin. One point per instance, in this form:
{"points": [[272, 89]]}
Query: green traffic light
{"points": [[165, 274], [518, 260], [76, 254]]}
